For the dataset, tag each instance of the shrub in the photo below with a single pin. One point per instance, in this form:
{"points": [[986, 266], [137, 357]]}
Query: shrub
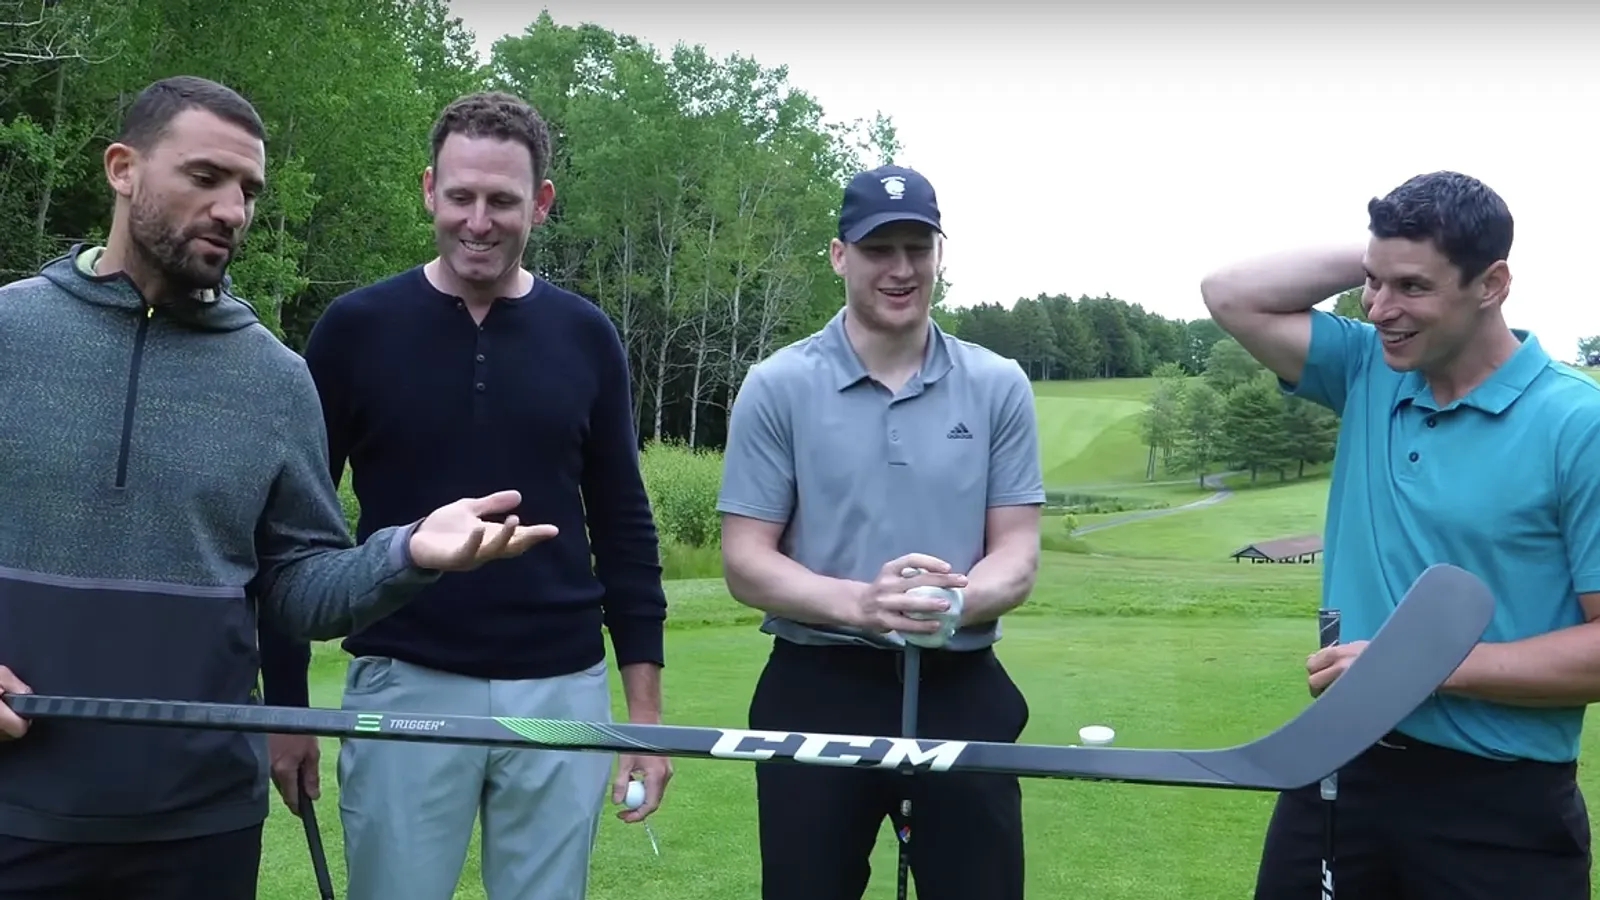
{"points": [[1060, 537], [1064, 501], [682, 483], [680, 562], [347, 501]]}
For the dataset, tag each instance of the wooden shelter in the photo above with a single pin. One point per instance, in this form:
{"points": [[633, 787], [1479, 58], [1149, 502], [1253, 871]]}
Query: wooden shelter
{"points": [[1301, 548]]}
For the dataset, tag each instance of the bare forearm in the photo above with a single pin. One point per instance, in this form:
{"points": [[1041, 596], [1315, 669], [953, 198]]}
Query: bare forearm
{"points": [[1561, 668], [771, 582], [999, 583], [641, 688], [1283, 283]]}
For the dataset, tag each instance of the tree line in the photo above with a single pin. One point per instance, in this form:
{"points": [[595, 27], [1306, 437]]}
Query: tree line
{"points": [[1058, 338], [1232, 418], [694, 196]]}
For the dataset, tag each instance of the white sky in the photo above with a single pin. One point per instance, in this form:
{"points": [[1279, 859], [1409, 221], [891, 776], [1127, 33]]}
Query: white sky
{"points": [[1130, 147]]}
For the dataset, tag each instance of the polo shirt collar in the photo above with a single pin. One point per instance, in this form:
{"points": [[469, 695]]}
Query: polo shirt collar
{"points": [[848, 368], [1495, 394]]}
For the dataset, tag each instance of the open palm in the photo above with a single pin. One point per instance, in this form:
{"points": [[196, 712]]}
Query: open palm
{"points": [[457, 537]]}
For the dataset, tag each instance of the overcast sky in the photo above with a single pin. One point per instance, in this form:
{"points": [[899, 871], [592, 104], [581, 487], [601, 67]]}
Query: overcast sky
{"points": [[1127, 148]]}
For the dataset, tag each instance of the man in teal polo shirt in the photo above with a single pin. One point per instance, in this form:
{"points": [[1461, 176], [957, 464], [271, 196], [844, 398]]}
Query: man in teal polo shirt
{"points": [[878, 444], [1461, 441]]}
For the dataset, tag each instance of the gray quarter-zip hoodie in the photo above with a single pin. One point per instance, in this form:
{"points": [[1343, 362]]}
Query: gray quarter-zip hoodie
{"points": [[163, 480]]}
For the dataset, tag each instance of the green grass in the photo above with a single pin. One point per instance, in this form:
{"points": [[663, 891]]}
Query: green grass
{"points": [[1089, 430], [1078, 656], [1135, 389], [1268, 510], [1070, 426], [1152, 649]]}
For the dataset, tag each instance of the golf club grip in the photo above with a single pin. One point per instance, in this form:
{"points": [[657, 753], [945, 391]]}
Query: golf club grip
{"points": [[1327, 636], [910, 691], [319, 859], [1327, 628]]}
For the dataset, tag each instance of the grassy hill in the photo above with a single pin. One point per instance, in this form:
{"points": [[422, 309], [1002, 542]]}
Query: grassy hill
{"points": [[1089, 430]]}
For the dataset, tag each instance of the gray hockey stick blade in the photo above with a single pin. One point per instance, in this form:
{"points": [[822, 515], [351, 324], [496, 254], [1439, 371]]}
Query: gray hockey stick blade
{"points": [[1433, 628]]}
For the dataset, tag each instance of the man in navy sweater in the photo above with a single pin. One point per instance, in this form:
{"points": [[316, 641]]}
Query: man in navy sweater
{"points": [[471, 371]]}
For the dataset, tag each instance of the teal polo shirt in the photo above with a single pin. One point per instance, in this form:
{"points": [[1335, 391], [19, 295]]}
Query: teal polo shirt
{"points": [[1504, 482]]}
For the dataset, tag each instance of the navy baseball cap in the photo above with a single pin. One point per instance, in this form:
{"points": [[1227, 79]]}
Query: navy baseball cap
{"points": [[883, 195]]}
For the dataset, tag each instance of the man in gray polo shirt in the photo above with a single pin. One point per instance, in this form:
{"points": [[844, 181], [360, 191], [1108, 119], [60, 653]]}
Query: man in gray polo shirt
{"points": [[878, 444]]}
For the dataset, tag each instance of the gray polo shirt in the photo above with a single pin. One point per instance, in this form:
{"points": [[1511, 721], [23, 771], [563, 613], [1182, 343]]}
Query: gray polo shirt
{"points": [[862, 476]]}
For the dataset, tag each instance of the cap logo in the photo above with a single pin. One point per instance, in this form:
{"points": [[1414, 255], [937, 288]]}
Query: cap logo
{"points": [[894, 186]]}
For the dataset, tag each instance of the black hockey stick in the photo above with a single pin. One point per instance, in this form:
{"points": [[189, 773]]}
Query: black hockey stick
{"points": [[1432, 630]]}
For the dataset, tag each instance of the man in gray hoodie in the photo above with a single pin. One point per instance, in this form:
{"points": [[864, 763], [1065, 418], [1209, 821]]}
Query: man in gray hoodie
{"points": [[164, 482]]}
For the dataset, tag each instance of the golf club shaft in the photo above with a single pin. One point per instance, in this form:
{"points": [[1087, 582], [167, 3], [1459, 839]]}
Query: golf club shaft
{"points": [[319, 860], [909, 698], [1328, 635]]}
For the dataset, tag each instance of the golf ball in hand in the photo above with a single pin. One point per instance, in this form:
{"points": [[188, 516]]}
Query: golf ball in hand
{"points": [[1096, 734], [635, 797]]}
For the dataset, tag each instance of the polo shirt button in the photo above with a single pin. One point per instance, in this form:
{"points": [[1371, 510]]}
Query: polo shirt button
{"points": [[480, 388], [894, 435], [1413, 456], [1432, 421], [480, 359]]}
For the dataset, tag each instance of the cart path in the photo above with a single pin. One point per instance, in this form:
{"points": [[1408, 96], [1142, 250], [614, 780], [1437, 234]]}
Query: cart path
{"points": [[1220, 492]]}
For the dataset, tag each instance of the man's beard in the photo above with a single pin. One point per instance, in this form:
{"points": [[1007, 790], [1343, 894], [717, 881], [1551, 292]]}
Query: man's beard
{"points": [[166, 249]]}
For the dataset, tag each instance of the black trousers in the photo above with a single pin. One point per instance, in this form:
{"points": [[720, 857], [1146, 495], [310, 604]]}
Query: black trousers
{"points": [[819, 824], [1414, 821], [214, 867]]}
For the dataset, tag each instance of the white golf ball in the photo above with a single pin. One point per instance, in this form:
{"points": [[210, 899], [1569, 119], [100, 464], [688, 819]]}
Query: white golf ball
{"points": [[635, 797], [1096, 734]]}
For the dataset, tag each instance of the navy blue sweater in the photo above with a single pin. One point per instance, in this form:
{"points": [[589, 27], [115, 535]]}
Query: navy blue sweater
{"points": [[428, 407]]}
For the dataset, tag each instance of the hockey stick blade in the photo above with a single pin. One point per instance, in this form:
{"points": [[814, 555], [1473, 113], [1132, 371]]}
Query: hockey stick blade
{"points": [[1432, 630]]}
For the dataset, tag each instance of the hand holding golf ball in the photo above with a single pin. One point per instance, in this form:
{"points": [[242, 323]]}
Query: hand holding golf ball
{"points": [[893, 601], [949, 620], [633, 799]]}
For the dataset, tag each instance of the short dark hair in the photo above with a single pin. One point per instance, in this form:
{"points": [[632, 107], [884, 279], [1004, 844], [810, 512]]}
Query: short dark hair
{"points": [[496, 114], [152, 111], [1469, 223]]}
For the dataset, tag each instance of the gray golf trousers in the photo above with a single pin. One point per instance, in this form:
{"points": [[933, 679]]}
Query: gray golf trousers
{"points": [[408, 808]]}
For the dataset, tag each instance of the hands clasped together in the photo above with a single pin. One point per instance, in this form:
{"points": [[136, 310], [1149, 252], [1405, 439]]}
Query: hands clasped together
{"points": [[916, 596]]}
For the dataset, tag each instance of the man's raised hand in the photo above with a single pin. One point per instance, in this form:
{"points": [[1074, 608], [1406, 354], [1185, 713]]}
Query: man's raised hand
{"points": [[457, 537], [882, 605]]}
